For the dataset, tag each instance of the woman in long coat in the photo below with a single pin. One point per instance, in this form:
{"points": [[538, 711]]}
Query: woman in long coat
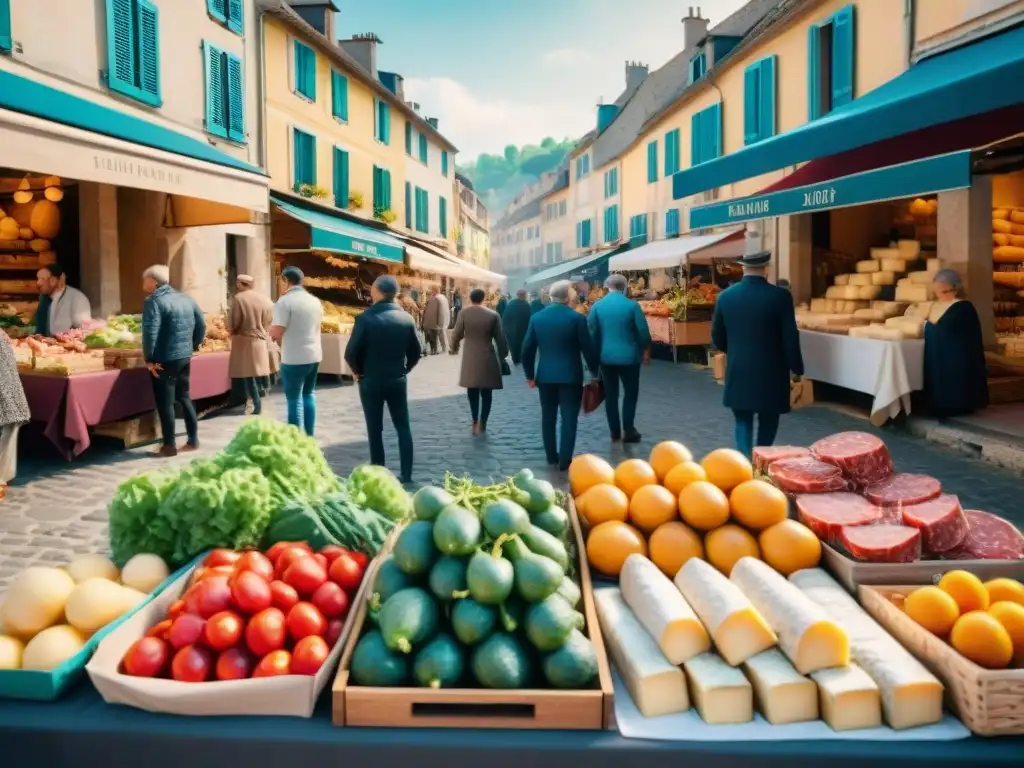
{"points": [[13, 412], [481, 329], [249, 322]]}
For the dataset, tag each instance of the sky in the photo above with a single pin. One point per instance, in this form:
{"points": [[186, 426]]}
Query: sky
{"points": [[499, 72]]}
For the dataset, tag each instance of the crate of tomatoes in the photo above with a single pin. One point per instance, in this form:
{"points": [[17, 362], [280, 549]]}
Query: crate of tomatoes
{"points": [[243, 633]]}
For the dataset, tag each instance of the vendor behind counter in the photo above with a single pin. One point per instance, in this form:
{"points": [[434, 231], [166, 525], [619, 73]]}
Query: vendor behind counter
{"points": [[61, 307]]}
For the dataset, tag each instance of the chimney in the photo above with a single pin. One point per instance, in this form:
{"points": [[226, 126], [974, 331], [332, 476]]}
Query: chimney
{"points": [[433, 122], [319, 15], [363, 48], [636, 73], [695, 28]]}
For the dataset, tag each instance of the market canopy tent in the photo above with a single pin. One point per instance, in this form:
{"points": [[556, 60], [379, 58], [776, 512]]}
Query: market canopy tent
{"points": [[473, 273], [423, 260], [323, 231], [670, 254], [565, 269], [972, 80]]}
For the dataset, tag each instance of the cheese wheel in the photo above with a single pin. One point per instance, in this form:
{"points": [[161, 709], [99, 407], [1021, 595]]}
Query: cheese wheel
{"points": [[869, 292], [885, 277], [917, 293], [932, 265], [1008, 254], [869, 265], [896, 265], [903, 281], [817, 305], [875, 315], [908, 249], [721, 694], [890, 308], [921, 278], [884, 253], [862, 278], [782, 694], [842, 280], [850, 700]]}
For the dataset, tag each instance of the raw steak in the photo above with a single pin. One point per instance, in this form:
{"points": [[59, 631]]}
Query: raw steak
{"points": [[806, 475], [765, 456], [903, 489], [941, 521], [828, 513], [862, 457], [884, 543], [989, 538]]}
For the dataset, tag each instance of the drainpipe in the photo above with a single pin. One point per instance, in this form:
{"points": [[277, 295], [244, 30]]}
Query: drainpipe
{"points": [[909, 18], [261, 95]]}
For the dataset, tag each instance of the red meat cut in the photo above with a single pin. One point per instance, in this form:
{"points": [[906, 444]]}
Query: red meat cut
{"points": [[989, 538], [828, 513], [903, 489], [941, 521], [806, 475], [884, 543], [767, 455], [862, 457]]}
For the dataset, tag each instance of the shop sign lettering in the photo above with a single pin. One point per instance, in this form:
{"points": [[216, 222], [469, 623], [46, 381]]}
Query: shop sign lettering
{"points": [[135, 169], [760, 207], [365, 249], [816, 197]]}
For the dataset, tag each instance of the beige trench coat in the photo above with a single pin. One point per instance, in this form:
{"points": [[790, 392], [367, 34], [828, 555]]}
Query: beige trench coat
{"points": [[249, 322], [481, 329]]}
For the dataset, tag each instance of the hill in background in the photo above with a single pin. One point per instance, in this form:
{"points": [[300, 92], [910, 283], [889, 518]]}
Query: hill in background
{"points": [[498, 178]]}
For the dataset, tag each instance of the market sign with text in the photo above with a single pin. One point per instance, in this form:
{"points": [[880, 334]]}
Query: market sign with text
{"points": [[920, 177], [331, 240]]}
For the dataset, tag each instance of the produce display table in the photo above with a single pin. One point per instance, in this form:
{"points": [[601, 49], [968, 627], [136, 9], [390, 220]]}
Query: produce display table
{"points": [[887, 370], [333, 346], [675, 334], [67, 732], [68, 406]]}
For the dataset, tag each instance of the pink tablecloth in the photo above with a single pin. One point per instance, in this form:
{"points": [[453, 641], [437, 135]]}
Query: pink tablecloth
{"points": [[69, 406]]}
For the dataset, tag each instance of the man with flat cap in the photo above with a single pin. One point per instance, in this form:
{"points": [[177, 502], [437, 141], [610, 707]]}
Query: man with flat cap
{"points": [[384, 348], [755, 325], [249, 324]]}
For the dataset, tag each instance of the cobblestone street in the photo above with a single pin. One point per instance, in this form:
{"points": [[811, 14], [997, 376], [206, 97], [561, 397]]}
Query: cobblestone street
{"points": [[55, 509]]}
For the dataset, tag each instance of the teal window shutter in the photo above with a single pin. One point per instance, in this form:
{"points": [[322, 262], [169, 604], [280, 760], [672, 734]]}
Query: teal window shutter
{"points": [[217, 9], [383, 122], [121, 60], [426, 210], [236, 18], [813, 73], [340, 178], [305, 71], [236, 98], [696, 120], [586, 233], [698, 66], [672, 222], [339, 96], [304, 158], [716, 129], [216, 107], [843, 56], [444, 163], [387, 190], [611, 223], [579, 234], [652, 162], [766, 96], [149, 52], [408, 137], [408, 205], [5, 26], [671, 152], [423, 148], [752, 104], [442, 211]]}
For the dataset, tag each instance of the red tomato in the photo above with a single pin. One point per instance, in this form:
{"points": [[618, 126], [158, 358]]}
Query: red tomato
{"points": [[192, 664], [305, 619], [273, 664], [255, 561], [309, 655], [283, 596], [305, 575], [347, 573], [177, 608], [331, 600], [234, 664], [211, 595], [332, 552], [289, 556], [221, 557], [333, 633], [266, 632], [160, 629], [360, 557], [251, 592], [197, 575], [276, 549], [186, 630], [147, 657], [223, 630], [322, 559], [218, 570]]}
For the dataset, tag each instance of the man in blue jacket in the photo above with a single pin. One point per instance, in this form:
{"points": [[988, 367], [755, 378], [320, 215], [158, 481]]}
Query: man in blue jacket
{"points": [[755, 325], [623, 341], [564, 343]]}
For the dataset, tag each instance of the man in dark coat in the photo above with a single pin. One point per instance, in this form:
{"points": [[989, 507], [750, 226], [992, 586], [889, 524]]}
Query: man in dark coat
{"points": [[515, 319], [561, 336], [502, 304], [537, 304], [384, 348], [755, 325]]}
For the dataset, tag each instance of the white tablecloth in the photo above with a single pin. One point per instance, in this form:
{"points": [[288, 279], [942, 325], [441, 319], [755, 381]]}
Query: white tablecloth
{"points": [[333, 346], [887, 370]]}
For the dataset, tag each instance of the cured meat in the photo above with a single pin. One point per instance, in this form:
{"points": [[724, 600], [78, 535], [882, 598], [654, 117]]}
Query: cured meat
{"points": [[764, 456], [903, 489], [989, 538], [884, 543], [806, 475], [828, 513], [941, 521], [862, 457]]}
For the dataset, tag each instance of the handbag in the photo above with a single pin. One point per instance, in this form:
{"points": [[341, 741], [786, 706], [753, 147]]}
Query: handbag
{"points": [[506, 369], [593, 396]]}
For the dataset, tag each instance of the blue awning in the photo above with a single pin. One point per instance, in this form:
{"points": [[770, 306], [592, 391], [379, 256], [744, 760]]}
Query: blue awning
{"points": [[334, 233], [971, 80], [579, 266]]}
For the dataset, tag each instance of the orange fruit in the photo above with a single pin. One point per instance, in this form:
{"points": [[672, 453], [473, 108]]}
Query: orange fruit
{"points": [[589, 470], [727, 468], [757, 504], [966, 588], [979, 637], [703, 506], [633, 474], [1005, 589], [652, 506], [672, 544], [1011, 616], [681, 475], [604, 502], [789, 546], [933, 609], [664, 456], [726, 545], [610, 543]]}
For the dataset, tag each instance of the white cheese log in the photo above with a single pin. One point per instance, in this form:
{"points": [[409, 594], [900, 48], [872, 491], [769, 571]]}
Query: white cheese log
{"points": [[894, 264], [818, 305], [656, 686], [842, 279], [868, 265], [921, 278], [912, 293], [850, 700], [864, 278], [843, 292], [662, 610], [932, 265], [721, 694], [884, 253], [911, 695], [909, 249], [886, 277], [809, 638], [869, 292], [782, 694], [737, 629], [875, 315]]}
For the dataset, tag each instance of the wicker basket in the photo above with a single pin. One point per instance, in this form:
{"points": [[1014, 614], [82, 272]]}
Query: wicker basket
{"points": [[990, 702]]}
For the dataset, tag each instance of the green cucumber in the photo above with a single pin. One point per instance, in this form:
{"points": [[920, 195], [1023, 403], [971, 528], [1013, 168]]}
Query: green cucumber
{"points": [[489, 576], [570, 591], [540, 494], [574, 665], [408, 618], [543, 543], [554, 520], [439, 664], [428, 502], [390, 579], [550, 622], [501, 662], [414, 549], [447, 577], [504, 517], [374, 664], [536, 577], [472, 622], [457, 531]]}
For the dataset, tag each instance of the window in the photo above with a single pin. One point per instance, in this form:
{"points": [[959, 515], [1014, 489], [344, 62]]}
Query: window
{"points": [[759, 101], [582, 166], [340, 178], [638, 229], [339, 96], [611, 183], [305, 71], [408, 137], [303, 158], [225, 94], [442, 215], [133, 49], [562, 208], [611, 223], [5, 26], [382, 122], [408, 204], [423, 148], [831, 57], [698, 67], [583, 234], [706, 135], [422, 210], [672, 152], [652, 162], [228, 12], [672, 222], [444, 163], [381, 191]]}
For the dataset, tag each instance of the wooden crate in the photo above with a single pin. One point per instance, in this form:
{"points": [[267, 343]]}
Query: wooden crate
{"points": [[133, 432], [693, 334], [990, 702], [482, 708]]}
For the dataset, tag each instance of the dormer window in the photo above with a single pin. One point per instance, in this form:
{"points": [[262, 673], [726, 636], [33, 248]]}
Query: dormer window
{"points": [[698, 66]]}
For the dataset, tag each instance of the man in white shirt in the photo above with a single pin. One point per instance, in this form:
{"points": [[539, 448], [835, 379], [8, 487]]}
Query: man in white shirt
{"points": [[296, 328], [61, 307]]}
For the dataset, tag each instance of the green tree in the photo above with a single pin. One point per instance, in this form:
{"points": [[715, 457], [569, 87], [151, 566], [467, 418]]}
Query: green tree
{"points": [[497, 178]]}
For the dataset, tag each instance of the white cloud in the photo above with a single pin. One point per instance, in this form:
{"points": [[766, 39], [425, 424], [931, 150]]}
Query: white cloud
{"points": [[478, 124], [566, 56]]}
